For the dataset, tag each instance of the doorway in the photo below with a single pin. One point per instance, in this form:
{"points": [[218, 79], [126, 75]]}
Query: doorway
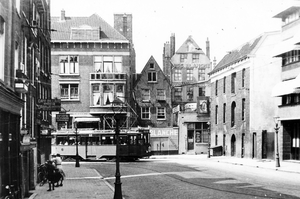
{"points": [[233, 145], [243, 145], [254, 146], [190, 140]]}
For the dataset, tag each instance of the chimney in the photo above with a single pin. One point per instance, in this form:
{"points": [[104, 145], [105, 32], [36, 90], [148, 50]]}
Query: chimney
{"points": [[207, 49], [214, 62], [63, 15], [172, 44]]}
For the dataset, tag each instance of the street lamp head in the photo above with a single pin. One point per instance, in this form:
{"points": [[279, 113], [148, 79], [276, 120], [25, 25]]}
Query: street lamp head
{"points": [[276, 119]]}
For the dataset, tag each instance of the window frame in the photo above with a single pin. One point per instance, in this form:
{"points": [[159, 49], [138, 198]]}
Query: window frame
{"points": [[161, 111], [145, 111], [152, 77], [69, 90]]}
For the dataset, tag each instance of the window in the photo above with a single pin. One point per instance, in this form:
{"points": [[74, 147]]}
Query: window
{"points": [[201, 74], [161, 113], [224, 112], [233, 106], [195, 58], [216, 87], [243, 77], [151, 76], [151, 66], [201, 135], [178, 93], [189, 74], [243, 109], [2, 45], [233, 82], [107, 64], [104, 64], [216, 114], [98, 64], [69, 91], [224, 85], [97, 100], [145, 94], [216, 140], [177, 75], [161, 94], [183, 57], [118, 64], [69, 65], [145, 113], [108, 93], [190, 93], [201, 90]]}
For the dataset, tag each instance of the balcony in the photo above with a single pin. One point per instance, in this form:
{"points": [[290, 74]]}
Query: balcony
{"points": [[108, 76]]}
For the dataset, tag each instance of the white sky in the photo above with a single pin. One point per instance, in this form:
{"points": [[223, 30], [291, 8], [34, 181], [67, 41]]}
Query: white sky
{"points": [[227, 23]]}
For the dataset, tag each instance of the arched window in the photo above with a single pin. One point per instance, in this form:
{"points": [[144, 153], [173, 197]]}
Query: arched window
{"points": [[233, 106]]}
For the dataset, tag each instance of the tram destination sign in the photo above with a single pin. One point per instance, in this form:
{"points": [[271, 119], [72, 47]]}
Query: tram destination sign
{"points": [[49, 104], [62, 117]]}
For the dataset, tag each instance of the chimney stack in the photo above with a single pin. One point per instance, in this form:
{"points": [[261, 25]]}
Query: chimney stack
{"points": [[207, 49], [63, 15], [172, 44]]}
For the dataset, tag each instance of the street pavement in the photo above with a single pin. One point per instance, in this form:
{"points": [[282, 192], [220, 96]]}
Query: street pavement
{"points": [[83, 182]]}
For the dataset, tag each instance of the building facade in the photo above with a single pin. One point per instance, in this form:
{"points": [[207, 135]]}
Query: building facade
{"points": [[25, 78], [287, 91], [152, 93], [242, 107], [92, 64], [188, 69]]}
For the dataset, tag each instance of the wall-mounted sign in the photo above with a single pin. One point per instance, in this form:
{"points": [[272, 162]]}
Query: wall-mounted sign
{"points": [[49, 104], [62, 117]]}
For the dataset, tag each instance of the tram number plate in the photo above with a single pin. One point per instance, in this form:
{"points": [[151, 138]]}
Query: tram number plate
{"points": [[90, 135]]}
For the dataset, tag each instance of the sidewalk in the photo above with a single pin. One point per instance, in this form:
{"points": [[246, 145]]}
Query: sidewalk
{"points": [[80, 182], [285, 166]]}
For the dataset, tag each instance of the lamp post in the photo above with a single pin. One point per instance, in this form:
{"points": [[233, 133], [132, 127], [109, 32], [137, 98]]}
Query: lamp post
{"points": [[276, 118], [208, 133], [76, 136], [118, 183]]}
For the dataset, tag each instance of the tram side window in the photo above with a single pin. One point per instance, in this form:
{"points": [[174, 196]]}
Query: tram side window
{"points": [[123, 140], [107, 139], [93, 141], [132, 140]]}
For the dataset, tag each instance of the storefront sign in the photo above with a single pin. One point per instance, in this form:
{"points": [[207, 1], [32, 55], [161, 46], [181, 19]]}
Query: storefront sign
{"points": [[163, 132], [62, 117], [190, 107], [49, 104]]}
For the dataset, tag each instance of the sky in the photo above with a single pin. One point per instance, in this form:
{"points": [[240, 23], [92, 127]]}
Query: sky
{"points": [[227, 24]]}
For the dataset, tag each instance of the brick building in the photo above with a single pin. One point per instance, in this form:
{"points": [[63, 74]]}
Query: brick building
{"points": [[187, 69], [92, 65], [242, 107], [25, 78], [152, 93]]}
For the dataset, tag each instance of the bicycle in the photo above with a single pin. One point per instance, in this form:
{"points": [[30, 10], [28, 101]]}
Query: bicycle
{"points": [[12, 192], [42, 175]]}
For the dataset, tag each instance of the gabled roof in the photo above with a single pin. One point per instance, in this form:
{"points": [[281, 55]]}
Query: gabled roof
{"points": [[63, 27], [190, 46], [146, 68], [237, 55]]}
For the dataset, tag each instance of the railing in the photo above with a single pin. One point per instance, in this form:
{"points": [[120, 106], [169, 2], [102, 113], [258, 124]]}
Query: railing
{"points": [[108, 76]]}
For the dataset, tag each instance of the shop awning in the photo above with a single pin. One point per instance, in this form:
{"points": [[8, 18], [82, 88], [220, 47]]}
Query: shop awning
{"points": [[87, 119], [287, 87]]}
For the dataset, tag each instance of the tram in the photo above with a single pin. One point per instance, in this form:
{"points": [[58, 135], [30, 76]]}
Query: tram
{"points": [[97, 144]]}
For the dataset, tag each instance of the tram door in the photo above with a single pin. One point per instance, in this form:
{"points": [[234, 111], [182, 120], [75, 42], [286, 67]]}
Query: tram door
{"points": [[159, 145]]}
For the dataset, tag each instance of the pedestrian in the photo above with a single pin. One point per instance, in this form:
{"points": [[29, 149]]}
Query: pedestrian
{"points": [[58, 164]]}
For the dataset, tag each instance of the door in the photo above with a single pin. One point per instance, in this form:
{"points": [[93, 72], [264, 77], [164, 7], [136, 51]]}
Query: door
{"points": [[243, 145], [233, 145], [254, 146], [190, 140], [160, 145]]}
